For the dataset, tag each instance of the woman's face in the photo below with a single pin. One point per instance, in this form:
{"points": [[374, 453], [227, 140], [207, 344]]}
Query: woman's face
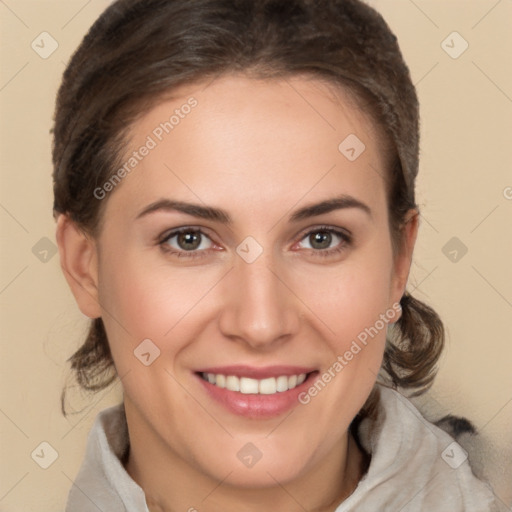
{"points": [[284, 267]]}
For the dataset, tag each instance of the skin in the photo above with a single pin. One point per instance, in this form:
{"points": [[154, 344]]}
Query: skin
{"points": [[259, 150]]}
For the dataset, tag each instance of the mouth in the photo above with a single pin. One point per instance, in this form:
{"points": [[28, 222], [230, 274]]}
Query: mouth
{"points": [[247, 385], [256, 392]]}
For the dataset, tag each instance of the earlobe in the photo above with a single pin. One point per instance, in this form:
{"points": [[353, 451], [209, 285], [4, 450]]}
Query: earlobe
{"points": [[78, 260]]}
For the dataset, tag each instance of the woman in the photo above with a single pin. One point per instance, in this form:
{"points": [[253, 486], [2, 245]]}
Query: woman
{"points": [[234, 194]]}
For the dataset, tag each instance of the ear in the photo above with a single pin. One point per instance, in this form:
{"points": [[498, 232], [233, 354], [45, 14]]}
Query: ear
{"points": [[79, 262], [403, 258]]}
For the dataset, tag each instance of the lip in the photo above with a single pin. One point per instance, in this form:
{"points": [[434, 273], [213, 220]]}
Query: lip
{"points": [[256, 406]]}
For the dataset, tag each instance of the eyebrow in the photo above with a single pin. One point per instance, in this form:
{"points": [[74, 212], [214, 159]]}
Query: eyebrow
{"points": [[222, 216], [329, 205]]}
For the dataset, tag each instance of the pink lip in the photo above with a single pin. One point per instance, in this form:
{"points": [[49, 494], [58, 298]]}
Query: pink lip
{"points": [[257, 373], [252, 405]]}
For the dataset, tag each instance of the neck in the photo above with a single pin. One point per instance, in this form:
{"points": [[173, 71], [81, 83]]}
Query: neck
{"points": [[170, 483]]}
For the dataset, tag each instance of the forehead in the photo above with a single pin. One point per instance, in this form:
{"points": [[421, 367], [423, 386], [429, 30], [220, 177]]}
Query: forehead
{"points": [[279, 139]]}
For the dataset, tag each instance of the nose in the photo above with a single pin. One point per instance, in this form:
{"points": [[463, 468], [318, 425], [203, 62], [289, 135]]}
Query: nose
{"points": [[258, 309]]}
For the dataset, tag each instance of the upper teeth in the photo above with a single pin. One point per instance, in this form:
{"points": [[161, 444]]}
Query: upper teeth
{"points": [[254, 386]]}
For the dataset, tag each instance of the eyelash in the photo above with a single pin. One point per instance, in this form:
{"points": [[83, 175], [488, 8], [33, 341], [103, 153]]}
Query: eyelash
{"points": [[346, 241]]}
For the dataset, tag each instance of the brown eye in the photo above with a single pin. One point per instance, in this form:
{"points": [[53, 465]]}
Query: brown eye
{"points": [[320, 239], [187, 240]]}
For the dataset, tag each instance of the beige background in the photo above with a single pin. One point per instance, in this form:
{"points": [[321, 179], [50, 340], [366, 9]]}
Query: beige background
{"points": [[465, 191]]}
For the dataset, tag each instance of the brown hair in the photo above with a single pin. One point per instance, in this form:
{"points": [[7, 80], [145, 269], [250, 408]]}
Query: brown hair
{"points": [[138, 51]]}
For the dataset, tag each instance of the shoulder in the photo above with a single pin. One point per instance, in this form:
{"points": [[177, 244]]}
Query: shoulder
{"points": [[102, 481], [415, 465]]}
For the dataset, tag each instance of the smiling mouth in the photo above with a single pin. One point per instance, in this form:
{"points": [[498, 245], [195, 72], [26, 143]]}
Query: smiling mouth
{"points": [[250, 386]]}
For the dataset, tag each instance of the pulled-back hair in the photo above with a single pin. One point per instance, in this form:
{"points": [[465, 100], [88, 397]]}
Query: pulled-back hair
{"points": [[139, 51]]}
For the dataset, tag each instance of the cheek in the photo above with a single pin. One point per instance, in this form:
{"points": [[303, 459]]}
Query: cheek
{"points": [[141, 301], [352, 364], [353, 310], [351, 297]]}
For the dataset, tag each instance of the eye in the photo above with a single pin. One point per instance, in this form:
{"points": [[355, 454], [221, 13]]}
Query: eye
{"points": [[325, 240], [186, 242]]}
